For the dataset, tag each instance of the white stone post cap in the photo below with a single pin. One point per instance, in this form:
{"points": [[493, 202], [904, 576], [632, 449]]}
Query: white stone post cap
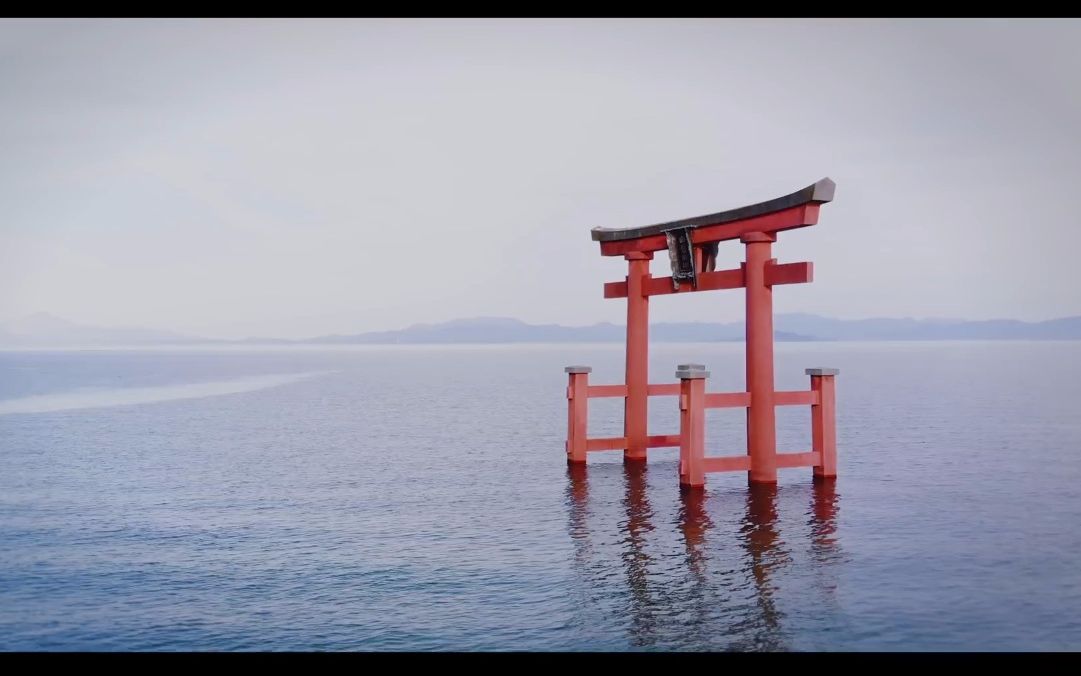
{"points": [[578, 369], [692, 374], [690, 367], [822, 372]]}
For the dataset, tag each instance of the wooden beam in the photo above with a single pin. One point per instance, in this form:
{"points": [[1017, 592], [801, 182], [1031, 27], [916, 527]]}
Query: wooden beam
{"points": [[662, 441], [798, 459], [707, 281], [776, 274], [662, 390], [786, 219], [729, 464], [659, 286], [818, 193], [789, 273], [797, 398], [608, 444], [652, 243], [615, 289], [606, 391], [727, 399], [796, 217]]}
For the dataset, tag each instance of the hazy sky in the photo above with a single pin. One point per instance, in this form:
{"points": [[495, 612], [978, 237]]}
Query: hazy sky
{"points": [[296, 177]]}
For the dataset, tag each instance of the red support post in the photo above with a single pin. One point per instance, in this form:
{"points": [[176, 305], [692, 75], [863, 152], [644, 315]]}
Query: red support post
{"points": [[636, 405], [577, 412], [824, 423], [692, 425], [761, 419]]}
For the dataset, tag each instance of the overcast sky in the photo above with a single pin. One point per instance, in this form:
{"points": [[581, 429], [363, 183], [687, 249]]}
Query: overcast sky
{"points": [[289, 178]]}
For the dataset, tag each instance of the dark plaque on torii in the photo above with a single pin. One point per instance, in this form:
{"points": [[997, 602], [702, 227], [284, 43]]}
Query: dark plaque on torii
{"points": [[681, 255]]}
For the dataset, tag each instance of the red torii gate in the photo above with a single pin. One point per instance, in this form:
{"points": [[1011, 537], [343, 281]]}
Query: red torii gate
{"points": [[755, 225]]}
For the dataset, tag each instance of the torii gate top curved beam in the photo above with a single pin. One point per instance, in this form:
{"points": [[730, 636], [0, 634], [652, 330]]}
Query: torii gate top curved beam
{"points": [[781, 213]]}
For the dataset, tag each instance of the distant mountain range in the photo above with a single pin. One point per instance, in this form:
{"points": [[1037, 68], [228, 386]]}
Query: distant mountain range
{"points": [[505, 330], [788, 327], [42, 330], [45, 330]]}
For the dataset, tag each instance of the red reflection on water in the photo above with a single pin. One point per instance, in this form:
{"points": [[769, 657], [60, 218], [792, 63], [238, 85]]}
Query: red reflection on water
{"points": [[577, 485], [635, 557], [695, 522], [824, 513], [651, 608]]}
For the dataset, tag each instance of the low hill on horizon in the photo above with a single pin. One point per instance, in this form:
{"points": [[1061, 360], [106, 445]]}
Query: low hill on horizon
{"points": [[44, 330], [787, 327]]}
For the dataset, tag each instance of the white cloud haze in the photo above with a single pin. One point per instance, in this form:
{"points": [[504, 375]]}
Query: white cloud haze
{"points": [[289, 178]]}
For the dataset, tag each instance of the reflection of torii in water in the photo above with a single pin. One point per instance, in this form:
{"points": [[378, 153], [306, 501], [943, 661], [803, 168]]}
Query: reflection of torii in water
{"points": [[765, 548], [639, 524], [759, 625], [638, 515]]}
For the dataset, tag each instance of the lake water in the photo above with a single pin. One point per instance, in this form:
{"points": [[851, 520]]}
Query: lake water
{"points": [[418, 498]]}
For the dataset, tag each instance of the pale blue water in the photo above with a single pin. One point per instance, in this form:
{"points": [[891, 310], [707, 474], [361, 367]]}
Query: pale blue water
{"points": [[387, 498]]}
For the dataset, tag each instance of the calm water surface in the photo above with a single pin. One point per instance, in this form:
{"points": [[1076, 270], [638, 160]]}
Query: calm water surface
{"points": [[417, 498]]}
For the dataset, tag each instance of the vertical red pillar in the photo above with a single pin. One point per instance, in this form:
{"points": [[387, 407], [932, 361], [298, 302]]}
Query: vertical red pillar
{"points": [[761, 419], [824, 422], [683, 416], [577, 412], [636, 405], [692, 426]]}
